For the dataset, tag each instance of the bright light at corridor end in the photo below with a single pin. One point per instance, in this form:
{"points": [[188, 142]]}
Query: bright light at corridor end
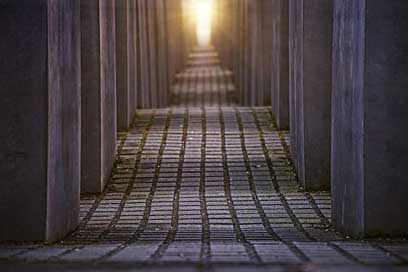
{"points": [[203, 15]]}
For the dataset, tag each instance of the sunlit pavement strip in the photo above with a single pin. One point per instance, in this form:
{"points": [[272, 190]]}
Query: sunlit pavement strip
{"points": [[203, 185]]}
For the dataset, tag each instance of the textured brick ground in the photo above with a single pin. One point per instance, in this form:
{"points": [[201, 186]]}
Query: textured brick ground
{"points": [[203, 185]]}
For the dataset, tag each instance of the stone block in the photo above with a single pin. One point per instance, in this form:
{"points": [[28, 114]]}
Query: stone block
{"points": [[279, 74], [40, 109], [369, 117], [310, 48], [151, 19], [144, 96], [162, 58], [125, 62], [98, 66], [175, 38]]}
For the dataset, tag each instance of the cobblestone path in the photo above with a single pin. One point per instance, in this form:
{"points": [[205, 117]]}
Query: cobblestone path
{"points": [[206, 184]]}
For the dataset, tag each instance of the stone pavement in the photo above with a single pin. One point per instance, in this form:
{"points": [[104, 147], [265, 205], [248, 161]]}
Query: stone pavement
{"points": [[205, 185]]}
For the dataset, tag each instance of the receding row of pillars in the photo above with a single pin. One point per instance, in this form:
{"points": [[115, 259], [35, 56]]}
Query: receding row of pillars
{"points": [[73, 73], [336, 73]]}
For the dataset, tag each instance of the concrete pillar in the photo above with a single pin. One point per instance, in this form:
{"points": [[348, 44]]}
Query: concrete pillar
{"points": [[310, 90], [143, 55], [242, 53], [370, 116], [254, 89], [98, 93], [125, 62], [252, 64], [138, 66], [223, 31], [267, 49], [258, 56], [279, 49], [246, 71], [162, 60], [175, 38], [133, 55], [237, 44], [40, 119], [151, 14], [189, 31]]}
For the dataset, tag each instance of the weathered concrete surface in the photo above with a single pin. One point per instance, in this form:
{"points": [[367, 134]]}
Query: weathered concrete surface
{"points": [[162, 58], [245, 72], [40, 109], [132, 58], [248, 62], [255, 89], [125, 62], [138, 64], [245, 39], [144, 91], [98, 93], [151, 14], [241, 71], [310, 89], [222, 31], [369, 155], [266, 9], [174, 28], [279, 74]]}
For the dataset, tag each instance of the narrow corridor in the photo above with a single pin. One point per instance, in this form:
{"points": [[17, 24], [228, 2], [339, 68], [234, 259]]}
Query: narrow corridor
{"points": [[206, 183]]}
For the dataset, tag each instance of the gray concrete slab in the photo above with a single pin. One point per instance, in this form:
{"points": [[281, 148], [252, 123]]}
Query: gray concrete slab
{"points": [[162, 57], [369, 149], [310, 89], [151, 18], [280, 61], [174, 26], [133, 59], [254, 88], [138, 65], [246, 71], [125, 62], [266, 55], [98, 93], [40, 109], [122, 67], [144, 99]]}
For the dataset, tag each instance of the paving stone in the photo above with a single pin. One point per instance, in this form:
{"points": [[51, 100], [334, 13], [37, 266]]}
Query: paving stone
{"points": [[88, 253], [44, 253]]}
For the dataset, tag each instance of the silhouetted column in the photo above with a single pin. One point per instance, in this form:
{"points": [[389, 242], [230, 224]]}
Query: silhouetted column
{"points": [[267, 49], [98, 93], [279, 16], [125, 62], [133, 57], [189, 31], [175, 37], [370, 117], [310, 90], [162, 60], [253, 64], [138, 64], [242, 68], [237, 44], [246, 70], [254, 88], [40, 119], [223, 31], [151, 14], [143, 55]]}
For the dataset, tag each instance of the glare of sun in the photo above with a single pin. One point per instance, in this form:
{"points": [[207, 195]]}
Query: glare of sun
{"points": [[203, 11]]}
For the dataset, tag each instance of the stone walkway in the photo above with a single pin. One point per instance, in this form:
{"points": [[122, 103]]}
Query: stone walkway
{"points": [[205, 185]]}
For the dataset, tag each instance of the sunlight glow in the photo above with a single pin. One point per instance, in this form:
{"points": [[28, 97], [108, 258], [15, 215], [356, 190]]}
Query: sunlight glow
{"points": [[204, 16]]}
